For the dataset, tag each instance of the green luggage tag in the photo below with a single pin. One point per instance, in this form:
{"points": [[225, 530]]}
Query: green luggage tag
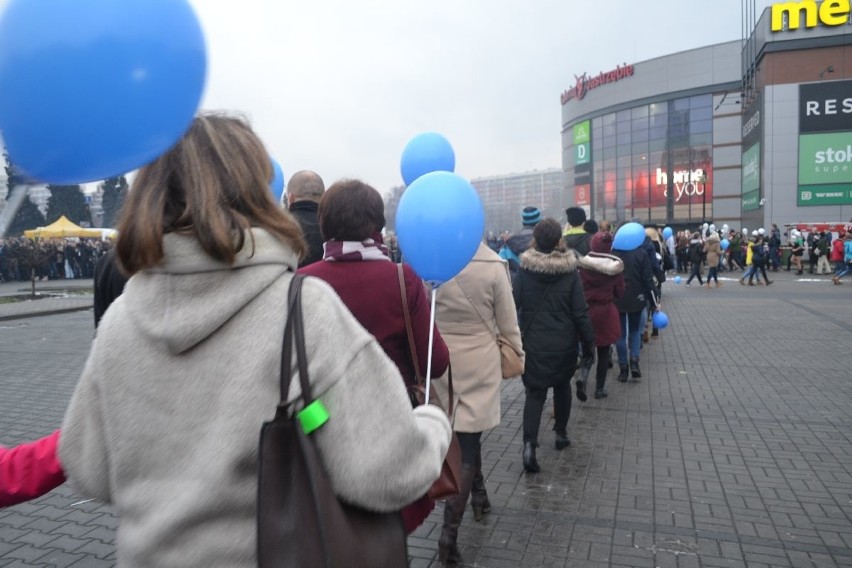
{"points": [[312, 416]]}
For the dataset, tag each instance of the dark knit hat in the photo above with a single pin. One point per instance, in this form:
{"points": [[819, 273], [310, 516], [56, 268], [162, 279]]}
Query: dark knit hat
{"points": [[591, 226], [531, 216], [576, 216]]}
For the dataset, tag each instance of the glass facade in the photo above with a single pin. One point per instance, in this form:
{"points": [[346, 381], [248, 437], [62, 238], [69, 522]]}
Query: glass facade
{"points": [[653, 162]]}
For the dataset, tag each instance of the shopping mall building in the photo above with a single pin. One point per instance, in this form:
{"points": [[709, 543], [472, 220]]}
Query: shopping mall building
{"points": [[749, 133]]}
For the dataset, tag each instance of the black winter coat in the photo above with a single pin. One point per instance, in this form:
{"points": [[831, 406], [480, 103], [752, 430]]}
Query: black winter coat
{"points": [[553, 316], [305, 212], [638, 280]]}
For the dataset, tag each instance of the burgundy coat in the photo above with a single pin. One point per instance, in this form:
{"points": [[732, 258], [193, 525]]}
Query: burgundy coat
{"points": [[370, 289], [601, 291]]}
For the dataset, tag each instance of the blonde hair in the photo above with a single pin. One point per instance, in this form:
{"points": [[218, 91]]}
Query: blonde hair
{"points": [[213, 184]]}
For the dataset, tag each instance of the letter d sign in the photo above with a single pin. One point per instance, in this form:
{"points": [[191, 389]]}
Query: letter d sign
{"points": [[581, 154]]}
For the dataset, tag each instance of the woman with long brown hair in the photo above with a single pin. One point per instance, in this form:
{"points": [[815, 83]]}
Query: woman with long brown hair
{"points": [[184, 371]]}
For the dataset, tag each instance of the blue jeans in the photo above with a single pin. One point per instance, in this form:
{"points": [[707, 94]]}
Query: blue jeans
{"points": [[630, 334], [750, 269]]}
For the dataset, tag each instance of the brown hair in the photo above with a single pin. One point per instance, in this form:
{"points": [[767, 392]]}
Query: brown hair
{"points": [[214, 185], [350, 210], [547, 234]]}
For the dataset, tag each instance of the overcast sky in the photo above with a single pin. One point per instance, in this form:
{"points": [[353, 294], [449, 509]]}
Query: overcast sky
{"points": [[340, 87]]}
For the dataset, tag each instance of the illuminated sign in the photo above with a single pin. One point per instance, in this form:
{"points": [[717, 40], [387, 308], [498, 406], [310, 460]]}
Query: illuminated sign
{"points": [[686, 183], [829, 13], [585, 84]]}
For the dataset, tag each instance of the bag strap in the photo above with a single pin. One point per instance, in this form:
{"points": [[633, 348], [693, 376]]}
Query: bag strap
{"points": [[409, 331], [295, 326], [469, 299]]}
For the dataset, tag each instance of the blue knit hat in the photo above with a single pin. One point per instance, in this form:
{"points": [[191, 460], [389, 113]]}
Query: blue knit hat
{"points": [[531, 216]]}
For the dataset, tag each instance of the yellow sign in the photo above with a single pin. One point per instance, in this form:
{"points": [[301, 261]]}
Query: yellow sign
{"points": [[829, 13]]}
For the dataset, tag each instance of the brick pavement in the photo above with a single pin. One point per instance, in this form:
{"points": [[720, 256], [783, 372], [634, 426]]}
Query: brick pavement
{"points": [[734, 450]]}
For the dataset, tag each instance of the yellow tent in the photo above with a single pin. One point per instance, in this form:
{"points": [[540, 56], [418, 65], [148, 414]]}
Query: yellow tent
{"points": [[62, 227]]}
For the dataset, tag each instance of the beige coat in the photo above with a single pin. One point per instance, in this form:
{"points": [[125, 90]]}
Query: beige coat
{"points": [[474, 355]]}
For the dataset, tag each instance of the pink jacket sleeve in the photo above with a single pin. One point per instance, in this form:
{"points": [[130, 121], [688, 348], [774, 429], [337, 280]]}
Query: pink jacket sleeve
{"points": [[29, 470]]}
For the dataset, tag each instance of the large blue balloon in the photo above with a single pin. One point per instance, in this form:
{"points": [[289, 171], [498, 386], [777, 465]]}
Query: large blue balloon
{"points": [[277, 183], [667, 232], [661, 320], [439, 223], [628, 237], [91, 89], [425, 153], [725, 244]]}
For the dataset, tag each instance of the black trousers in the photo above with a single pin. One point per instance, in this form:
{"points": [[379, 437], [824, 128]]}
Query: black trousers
{"points": [[470, 443], [534, 404], [602, 367]]}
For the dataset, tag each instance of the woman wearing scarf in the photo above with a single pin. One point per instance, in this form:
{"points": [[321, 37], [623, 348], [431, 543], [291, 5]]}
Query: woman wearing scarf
{"points": [[603, 282], [356, 264]]}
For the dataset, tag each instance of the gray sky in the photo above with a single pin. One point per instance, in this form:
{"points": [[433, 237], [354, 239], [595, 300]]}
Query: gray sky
{"points": [[340, 87]]}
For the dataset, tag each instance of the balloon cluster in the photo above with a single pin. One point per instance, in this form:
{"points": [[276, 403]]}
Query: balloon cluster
{"points": [[439, 219], [93, 89]]}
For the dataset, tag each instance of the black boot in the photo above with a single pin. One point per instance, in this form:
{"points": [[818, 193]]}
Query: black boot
{"points": [[530, 463], [622, 373], [562, 441], [448, 548], [478, 495], [634, 368]]}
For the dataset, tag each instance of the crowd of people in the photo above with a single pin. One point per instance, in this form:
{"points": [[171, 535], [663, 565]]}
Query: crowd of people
{"points": [[758, 253], [168, 430], [21, 258]]}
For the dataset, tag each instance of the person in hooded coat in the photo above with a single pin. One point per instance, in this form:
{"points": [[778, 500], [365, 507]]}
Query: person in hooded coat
{"points": [[713, 250], [603, 282], [554, 319]]}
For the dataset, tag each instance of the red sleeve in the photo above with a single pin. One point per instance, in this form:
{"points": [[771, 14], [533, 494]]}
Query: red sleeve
{"points": [[419, 304], [29, 470], [618, 289]]}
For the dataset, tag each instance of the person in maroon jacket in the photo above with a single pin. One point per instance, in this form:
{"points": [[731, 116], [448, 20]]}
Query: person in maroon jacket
{"points": [[356, 264], [29, 470], [603, 282]]}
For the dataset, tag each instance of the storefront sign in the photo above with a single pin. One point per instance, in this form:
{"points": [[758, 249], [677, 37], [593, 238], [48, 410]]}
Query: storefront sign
{"points": [[685, 183], [582, 195], [751, 169], [751, 200], [825, 107], [827, 13], [825, 158], [582, 143], [585, 83], [825, 195]]}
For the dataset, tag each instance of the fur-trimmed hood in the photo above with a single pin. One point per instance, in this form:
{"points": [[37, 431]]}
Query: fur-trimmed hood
{"points": [[553, 263]]}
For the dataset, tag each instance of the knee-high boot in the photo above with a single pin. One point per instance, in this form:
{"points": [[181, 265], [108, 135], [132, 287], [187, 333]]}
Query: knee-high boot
{"points": [[478, 495], [448, 549]]}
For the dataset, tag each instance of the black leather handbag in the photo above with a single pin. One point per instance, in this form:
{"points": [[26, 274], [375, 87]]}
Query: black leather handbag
{"points": [[300, 520]]}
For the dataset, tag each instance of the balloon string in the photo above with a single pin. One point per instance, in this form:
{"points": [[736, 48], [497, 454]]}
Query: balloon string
{"points": [[431, 344]]}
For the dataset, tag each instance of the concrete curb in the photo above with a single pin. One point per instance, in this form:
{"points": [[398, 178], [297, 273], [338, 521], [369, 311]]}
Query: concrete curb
{"points": [[28, 315]]}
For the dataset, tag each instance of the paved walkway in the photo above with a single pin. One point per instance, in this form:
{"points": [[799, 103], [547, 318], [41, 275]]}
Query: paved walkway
{"points": [[734, 450], [62, 296]]}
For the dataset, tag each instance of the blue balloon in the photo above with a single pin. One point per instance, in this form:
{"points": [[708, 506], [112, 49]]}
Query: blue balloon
{"points": [[277, 183], [92, 89], [667, 232], [425, 153], [725, 244], [628, 237], [678, 279], [661, 320], [439, 224]]}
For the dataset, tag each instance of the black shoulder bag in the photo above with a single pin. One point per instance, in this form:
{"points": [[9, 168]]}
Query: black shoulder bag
{"points": [[300, 520]]}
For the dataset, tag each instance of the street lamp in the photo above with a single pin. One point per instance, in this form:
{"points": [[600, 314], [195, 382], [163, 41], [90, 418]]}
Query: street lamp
{"points": [[702, 179]]}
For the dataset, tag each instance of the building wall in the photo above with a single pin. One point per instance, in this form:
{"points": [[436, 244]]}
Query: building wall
{"points": [[504, 197]]}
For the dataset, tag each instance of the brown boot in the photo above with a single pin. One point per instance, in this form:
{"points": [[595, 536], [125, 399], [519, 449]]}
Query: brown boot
{"points": [[478, 495], [448, 548]]}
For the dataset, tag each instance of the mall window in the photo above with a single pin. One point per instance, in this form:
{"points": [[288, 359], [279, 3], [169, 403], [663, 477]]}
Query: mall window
{"points": [[654, 162]]}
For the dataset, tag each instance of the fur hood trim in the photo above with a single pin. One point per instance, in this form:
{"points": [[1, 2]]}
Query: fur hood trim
{"points": [[555, 262]]}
